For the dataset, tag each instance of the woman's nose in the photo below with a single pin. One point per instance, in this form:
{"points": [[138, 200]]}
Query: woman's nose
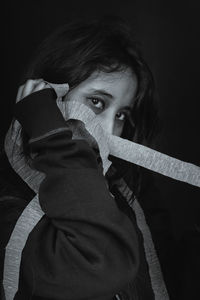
{"points": [[107, 124]]}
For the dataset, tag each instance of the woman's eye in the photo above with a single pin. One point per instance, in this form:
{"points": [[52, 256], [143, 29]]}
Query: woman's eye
{"points": [[97, 103], [121, 116]]}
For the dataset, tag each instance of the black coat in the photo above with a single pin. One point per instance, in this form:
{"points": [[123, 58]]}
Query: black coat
{"points": [[87, 245]]}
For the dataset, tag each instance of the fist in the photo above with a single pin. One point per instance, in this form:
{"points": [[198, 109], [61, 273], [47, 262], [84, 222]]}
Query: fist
{"points": [[29, 87]]}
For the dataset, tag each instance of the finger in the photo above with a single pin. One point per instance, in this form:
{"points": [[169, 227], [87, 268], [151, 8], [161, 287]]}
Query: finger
{"points": [[29, 86], [48, 86], [39, 87], [61, 89], [19, 93]]}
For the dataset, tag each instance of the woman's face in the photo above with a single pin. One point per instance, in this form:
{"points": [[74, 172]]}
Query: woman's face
{"points": [[109, 95]]}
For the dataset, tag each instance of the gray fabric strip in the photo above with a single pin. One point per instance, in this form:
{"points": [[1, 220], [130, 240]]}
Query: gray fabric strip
{"points": [[122, 148], [130, 151], [155, 273], [154, 160], [25, 224]]}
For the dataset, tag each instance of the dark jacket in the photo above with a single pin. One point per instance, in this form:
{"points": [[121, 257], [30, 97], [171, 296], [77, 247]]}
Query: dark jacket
{"points": [[87, 245]]}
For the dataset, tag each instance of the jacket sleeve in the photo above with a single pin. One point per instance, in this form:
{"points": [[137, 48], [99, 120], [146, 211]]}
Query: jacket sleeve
{"points": [[84, 247]]}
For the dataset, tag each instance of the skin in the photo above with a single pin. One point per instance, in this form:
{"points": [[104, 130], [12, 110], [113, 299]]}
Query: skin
{"points": [[109, 95], [113, 106]]}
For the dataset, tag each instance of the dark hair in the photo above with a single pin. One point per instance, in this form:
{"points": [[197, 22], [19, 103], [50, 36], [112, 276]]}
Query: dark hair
{"points": [[80, 47], [77, 49]]}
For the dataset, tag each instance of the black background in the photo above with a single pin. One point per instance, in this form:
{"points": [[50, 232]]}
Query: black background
{"points": [[169, 34]]}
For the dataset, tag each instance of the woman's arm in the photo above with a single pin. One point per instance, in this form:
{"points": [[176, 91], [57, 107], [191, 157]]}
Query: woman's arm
{"points": [[84, 247]]}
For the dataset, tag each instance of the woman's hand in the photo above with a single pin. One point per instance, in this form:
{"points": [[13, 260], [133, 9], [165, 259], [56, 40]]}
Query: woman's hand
{"points": [[31, 86]]}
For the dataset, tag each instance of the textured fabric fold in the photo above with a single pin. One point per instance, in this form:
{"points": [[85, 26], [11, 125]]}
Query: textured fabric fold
{"points": [[116, 146], [130, 151]]}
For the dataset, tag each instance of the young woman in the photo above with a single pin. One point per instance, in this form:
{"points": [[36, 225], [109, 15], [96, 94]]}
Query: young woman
{"points": [[87, 245]]}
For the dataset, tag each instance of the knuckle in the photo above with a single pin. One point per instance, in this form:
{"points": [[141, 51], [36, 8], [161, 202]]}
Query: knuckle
{"points": [[29, 80], [41, 85], [21, 87]]}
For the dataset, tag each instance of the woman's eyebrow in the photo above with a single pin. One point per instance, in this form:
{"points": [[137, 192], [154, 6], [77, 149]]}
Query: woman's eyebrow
{"points": [[126, 108], [101, 92]]}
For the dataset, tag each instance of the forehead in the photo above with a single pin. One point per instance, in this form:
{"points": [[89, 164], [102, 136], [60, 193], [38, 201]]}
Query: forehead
{"points": [[121, 85]]}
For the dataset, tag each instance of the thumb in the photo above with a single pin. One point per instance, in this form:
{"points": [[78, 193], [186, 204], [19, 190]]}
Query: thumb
{"points": [[61, 89]]}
